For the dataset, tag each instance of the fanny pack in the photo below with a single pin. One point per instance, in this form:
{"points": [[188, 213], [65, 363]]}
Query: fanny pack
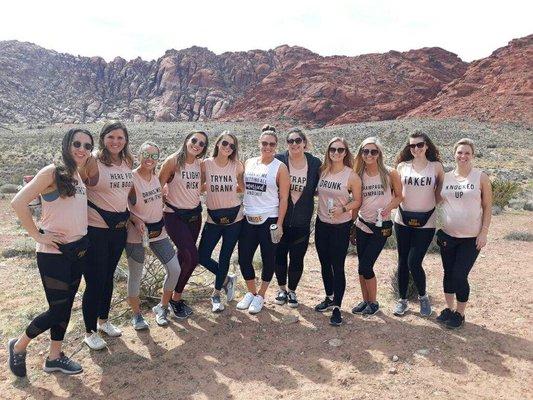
{"points": [[383, 231], [256, 219], [155, 228], [73, 250], [187, 215], [415, 219], [114, 220], [224, 216]]}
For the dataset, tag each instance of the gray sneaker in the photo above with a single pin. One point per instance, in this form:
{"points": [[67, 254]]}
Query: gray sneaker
{"points": [[229, 288], [62, 364], [161, 316], [401, 307], [425, 306], [139, 323]]}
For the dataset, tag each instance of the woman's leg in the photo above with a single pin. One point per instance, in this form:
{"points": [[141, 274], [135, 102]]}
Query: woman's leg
{"points": [[420, 241], [298, 248], [448, 253], [403, 245], [135, 253], [230, 236], [322, 244], [166, 254], [211, 235], [268, 255], [248, 242], [339, 248], [362, 239], [466, 257], [367, 260], [282, 252]]}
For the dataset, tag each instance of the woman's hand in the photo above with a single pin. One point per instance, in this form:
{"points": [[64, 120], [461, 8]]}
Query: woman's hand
{"points": [[481, 240], [138, 224], [335, 211], [50, 239], [385, 213]]}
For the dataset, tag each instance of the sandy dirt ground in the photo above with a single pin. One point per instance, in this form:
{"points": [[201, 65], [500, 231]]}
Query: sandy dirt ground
{"points": [[294, 353]]}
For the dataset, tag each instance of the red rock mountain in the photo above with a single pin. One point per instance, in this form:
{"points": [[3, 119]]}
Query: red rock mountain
{"points": [[291, 84], [497, 88]]}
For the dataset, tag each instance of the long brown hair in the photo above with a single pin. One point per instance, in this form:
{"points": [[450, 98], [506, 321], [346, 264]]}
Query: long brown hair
{"points": [[302, 135], [103, 154], [64, 173], [360, 165], [182, 152], [432, 153], [348, 157], [233, 156]]}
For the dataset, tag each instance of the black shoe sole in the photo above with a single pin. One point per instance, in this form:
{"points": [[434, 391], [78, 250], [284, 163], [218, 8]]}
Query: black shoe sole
{"points": [[335, 323], [49, 370], [329, 308], [279, 302]]}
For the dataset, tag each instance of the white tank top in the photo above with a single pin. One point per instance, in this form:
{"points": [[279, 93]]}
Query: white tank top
{"points": [[461, 209], [375, 196], [418, 190], [261, 189]]}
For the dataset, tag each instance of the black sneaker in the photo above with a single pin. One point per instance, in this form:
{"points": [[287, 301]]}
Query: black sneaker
{"points": [[177, 309], [456, 321], [187, 309], [292, 300], [371, 308], [17, 362], [358, 309], [445, 315], [327, 304], [281, 297], [62, 364], [336, 318]]}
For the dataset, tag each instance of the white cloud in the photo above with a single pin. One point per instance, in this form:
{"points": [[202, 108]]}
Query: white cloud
{"points": [[472, 29]]}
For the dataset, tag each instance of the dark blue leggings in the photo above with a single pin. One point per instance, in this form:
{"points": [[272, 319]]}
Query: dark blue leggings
{"points": [[369, 248], [251, 237], [293, 245], [211, 235]]}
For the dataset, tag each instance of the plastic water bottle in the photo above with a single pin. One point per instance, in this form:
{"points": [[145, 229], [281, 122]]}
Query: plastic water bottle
{"points": [[331, 204], [379, 220], [146, 241], [274, 233]]}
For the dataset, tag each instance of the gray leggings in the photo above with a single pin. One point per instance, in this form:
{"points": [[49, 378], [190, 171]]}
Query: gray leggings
{"points": [[165, 252]]}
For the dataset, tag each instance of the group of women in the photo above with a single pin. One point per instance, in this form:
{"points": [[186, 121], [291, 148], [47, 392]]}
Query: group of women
{"points": [[96, 204]]}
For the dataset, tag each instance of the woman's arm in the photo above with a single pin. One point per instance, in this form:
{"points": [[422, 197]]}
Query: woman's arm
{"points": [[240, 177], [354, 186], [486, 205], [440, 181], [167, 169], [202, 176], [396, 183], [284, 185], [89, 172], [41, 183]]}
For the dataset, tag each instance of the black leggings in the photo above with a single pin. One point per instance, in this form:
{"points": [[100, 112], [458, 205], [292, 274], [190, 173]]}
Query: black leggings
{"points": [[61, 278], [250, 237], [102, 260], [293, 244], [369, 248], [458, 257], [331, 241], [412, 244]]}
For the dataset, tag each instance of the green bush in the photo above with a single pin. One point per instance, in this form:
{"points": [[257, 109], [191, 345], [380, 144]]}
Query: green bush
{"points": [[520, 236], [412, 293], [503, 191]]}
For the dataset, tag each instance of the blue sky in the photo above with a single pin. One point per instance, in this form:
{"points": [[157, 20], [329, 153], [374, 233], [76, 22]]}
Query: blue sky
{"points": [[472, 29]]}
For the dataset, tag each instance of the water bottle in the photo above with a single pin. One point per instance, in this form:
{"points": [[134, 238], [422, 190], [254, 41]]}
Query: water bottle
{"points": [[274, 234], [379, 220], [331, 204]]}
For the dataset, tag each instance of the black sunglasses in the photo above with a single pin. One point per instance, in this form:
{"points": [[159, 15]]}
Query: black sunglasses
{"points": [[195, 141], [271, 144], [225, 143], [419, 145], [297, 140], [372, 152], [339, 150], [86, 146]]}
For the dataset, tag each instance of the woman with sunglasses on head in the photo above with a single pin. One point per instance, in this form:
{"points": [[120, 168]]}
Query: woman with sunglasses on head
{"points": [[146, 229], [183, 211], [339, 192], [267, 184], [467, 209], [421, 174], [61, 247], [381, 193], [304, 171], [222, 176], [108, 179]]}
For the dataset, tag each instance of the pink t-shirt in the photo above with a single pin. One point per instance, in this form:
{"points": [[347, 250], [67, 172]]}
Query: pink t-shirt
{"points": [[418, 189], [461, 209], [334, 187], [375, 196], [111, 191], [184, 188], [64, 215], [298, 180], [148, 206]]}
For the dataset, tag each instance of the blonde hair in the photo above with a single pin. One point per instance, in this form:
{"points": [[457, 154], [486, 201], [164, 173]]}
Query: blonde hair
{"points": [[144, 146], [360, 165], [348, 157], [466, 142]]}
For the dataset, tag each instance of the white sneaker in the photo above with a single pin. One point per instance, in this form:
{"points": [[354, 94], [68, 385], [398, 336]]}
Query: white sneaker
{"points": [[161, 313], [109, 329], [230, 287], [256, 305], [246, 301], [216, 304], [95, 341]]}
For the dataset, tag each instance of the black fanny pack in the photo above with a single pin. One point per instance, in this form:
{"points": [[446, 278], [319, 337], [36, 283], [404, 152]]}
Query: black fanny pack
{"points": [[114, 220], [382, 231], [187, 215], [73, 250], [224, 216], [155, 229], [415, 219]]}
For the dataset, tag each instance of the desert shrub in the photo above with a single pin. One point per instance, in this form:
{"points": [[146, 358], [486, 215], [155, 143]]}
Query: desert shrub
{"points": [[21, 248], [412, 293], [520, 236], [9, 188], [503, 191]]}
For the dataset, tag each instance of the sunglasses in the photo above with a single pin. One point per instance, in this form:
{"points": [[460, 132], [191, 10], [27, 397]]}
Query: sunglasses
{"points": [[196, 141], [339, 150], [419, 145], [153, 156], [225, 143], [266, 144], [297, 141], [372, 152], [86, 146]]}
